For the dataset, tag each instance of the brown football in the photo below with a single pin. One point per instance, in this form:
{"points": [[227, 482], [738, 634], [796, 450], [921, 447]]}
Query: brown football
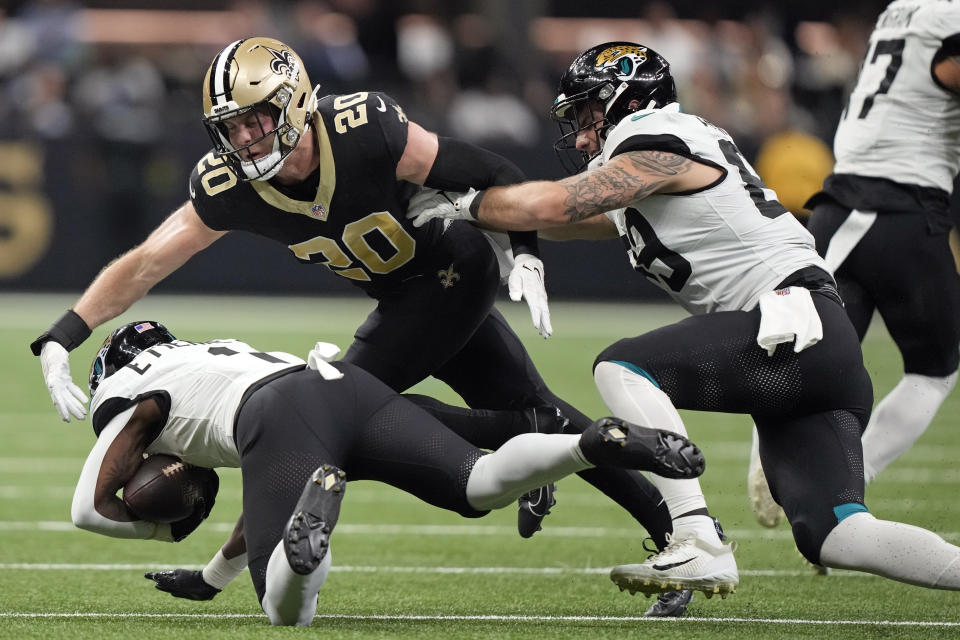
{"points": [[163, 489]]}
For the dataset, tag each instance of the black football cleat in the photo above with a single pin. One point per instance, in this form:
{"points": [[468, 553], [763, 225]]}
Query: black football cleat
{"points": [[534, 506], [671, 604], [306, 537], [613, 442]]}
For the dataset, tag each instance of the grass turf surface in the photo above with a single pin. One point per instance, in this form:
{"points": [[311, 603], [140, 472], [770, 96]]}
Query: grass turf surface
{"points": [[404, 569]]}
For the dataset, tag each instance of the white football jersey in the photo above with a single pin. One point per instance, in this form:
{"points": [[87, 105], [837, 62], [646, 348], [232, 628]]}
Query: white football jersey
{"points": [[716, 249], [899, 123], [203, 383]]}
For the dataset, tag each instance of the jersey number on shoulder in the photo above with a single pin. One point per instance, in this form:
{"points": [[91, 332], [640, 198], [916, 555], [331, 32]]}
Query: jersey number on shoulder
{"points": [[754, 185], [646, 251], [350, 111], [355, 246], [892, 48], [227, 351], [215, 175]]}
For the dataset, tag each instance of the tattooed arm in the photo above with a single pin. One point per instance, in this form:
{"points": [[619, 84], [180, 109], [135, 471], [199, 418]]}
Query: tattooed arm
{"points": [[625, 179]]}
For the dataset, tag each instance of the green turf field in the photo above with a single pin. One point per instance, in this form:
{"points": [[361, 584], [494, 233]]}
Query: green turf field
{"points": [[403, 569]]}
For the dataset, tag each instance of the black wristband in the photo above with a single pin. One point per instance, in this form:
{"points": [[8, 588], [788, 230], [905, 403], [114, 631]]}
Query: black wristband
{"points": [[524, 242], [475, 203], [70, 331]]}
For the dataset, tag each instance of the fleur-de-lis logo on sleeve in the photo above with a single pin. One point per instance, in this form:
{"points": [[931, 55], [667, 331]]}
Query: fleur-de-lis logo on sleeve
{"points": [[448, 277]]}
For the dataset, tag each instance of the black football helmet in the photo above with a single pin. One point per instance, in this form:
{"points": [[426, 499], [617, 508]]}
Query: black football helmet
{"points": [[123, 345], [622, 77]]}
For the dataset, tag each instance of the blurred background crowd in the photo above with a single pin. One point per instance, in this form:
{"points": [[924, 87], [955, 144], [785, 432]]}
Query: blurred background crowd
{"points": [[100, 102]]}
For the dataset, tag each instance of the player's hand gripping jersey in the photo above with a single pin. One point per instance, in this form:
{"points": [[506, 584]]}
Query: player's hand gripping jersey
{"points": [[716, 249], [349, 215], [199, 386], [900, 123]]}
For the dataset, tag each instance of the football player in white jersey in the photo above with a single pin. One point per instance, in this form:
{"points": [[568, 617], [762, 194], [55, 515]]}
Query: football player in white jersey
{"points": [[882, 221], [769, 336], [298, 430]]}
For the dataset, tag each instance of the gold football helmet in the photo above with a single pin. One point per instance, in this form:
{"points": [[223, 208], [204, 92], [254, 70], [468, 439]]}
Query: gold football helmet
{"points": [[266, 75]]}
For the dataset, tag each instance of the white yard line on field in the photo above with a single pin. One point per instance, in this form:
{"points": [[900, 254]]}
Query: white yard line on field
{"points": [[446, 530], [539, 571], [496, 618]]}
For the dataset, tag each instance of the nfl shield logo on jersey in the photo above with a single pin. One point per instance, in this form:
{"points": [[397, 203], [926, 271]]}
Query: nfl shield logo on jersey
{"points": [[319, 211]]}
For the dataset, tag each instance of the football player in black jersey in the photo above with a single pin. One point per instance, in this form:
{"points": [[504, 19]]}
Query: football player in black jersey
{"points": [[330, 178]]}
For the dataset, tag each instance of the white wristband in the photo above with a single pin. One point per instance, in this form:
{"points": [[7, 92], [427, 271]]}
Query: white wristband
{"points": [[220, 572]]}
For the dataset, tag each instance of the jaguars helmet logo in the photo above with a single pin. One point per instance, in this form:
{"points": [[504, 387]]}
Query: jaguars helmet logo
{"points": [[624, 58]]}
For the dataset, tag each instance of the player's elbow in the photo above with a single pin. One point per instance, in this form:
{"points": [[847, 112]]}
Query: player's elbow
{"points": [[547, 208], [82, 513]]}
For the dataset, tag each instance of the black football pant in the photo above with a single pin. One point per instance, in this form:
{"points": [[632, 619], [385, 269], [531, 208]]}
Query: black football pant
{"points": [[443, 323], [905, 272], [293, 424], [810, 408]]}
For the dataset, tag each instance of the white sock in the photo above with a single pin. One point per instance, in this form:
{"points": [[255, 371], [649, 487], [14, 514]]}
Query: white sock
{"points": [[701, 527], [900, 418], [635, 398], [220, 572], [291, 598], [523, 463], [893, 550]]}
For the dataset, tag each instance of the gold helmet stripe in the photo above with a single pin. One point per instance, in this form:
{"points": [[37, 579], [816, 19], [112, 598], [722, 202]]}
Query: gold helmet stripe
{"points": [[220, 74]]}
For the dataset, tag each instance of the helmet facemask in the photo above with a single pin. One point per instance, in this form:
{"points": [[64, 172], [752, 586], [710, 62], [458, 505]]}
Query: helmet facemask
{"points": [[575, 114], [284, 137], [617, 77], [265, 77]]}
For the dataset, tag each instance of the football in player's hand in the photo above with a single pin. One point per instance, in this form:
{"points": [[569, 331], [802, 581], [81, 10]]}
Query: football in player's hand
{"points": [[163, 489]]}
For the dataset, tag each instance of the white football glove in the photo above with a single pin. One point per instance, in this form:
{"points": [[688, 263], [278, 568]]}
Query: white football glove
{"points": [[430, 203], [67, 397], [526, 281], [319, 360]]}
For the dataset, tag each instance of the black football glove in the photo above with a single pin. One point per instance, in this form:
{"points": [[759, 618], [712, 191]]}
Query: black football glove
{"points": [[209, 485], [183, 583]]}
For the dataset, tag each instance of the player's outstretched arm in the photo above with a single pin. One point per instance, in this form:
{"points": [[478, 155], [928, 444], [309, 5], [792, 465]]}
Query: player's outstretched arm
{"points": [[228, 563], [119, 285], [131, 276], [620, 182]]}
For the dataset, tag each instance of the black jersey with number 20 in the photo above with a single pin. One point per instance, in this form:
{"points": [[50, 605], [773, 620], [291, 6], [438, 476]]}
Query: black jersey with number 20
{"points": [[348, 215]]}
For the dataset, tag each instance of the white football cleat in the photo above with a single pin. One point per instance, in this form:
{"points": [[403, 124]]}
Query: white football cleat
{"points": [[765, 509], [686, 563]]}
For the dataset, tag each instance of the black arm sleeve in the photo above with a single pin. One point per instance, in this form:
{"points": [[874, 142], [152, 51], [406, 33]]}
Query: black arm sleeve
{"points": [[461, 165]]}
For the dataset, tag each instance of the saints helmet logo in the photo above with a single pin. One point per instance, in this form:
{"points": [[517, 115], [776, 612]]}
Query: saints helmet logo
{"points": [[448, 277], [283, 63]]}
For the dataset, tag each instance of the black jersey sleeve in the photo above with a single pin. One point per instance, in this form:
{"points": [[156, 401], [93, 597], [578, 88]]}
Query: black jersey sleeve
{"points": [[460, 165], [112, 407], [367, 127], [210, 181], [392, 122]]}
